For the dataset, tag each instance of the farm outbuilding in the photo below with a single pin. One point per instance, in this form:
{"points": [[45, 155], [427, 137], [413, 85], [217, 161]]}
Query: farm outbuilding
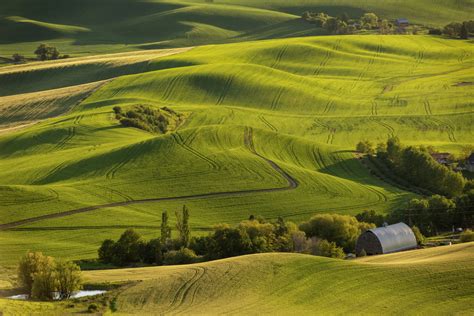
{"points": [[386, 239]]}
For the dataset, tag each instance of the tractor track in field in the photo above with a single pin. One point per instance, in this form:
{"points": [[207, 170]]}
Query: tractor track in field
{"points": [[276, 100], [327, 58], [267, 123], [225, 91], [187, 289], [248, 141]]}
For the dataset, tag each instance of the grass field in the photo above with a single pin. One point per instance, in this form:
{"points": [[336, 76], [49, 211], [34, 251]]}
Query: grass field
{"points": [[132, 24], [435, 281], [295, 105]]}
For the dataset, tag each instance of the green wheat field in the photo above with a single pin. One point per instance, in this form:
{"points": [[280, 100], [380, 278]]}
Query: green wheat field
{"points": [[272, 110]]}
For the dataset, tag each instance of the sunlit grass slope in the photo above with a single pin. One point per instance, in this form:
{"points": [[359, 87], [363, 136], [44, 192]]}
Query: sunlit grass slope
{"points": [[302, 103], [429, 281], [84, 27]]}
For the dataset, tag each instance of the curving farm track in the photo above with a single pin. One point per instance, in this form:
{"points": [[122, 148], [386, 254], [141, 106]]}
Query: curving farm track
{"points": [[248, 141]]}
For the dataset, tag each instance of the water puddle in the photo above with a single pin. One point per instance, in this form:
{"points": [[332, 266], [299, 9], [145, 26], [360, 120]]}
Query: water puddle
{"points": [[78, 294]]}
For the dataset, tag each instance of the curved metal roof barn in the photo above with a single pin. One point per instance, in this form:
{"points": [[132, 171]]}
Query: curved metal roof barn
{"points": [[387, 239]]}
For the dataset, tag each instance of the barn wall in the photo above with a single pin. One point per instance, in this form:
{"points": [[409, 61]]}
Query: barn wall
{"points": [[370, 243]]}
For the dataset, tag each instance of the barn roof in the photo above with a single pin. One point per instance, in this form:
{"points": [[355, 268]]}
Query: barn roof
{"points": [[395, 237], [402, 20]]}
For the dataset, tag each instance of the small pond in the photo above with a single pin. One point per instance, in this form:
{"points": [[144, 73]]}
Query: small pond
{"points": [[75, 295]]}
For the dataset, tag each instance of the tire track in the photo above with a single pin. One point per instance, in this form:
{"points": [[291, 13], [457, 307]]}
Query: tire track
{"points": [[276, 100], [267, 123], [331, 135], [186, 289], [170, 87], [327, 58], [181, 142], [225, 91], [131, 154], [279, 56], [71, 133], [248, 141]]}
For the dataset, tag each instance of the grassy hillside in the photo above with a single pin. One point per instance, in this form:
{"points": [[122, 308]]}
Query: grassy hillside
{"points": [[256, 112], [84, 27], [431, 281]]}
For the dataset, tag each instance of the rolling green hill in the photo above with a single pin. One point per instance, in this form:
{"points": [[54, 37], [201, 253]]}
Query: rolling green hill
{"points": [[435, 281], [270, 128], [84, 27]]}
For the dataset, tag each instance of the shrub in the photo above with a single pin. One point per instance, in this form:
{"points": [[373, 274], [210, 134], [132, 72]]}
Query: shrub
{"points": [[365, 147], [371, 217], [362, 253], [435, 31], [46, 52], [324, 248], [467, 236], [69, 280], [17, 58], [182, 256], [92, 308], [113, 305], [128, 248], [145, 118], [45, 282], [29, 265], [341, 229], [106, 251], [370, 20], [420, 239], [152, 252]]}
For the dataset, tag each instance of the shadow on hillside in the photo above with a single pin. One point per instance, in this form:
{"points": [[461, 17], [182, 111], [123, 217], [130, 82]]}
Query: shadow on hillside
{"points": [[353, 169]]}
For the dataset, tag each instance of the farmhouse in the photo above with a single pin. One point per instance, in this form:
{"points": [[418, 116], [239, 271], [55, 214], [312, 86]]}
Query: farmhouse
{"points": [[470, 163], [441, 158], [386, 239], [402, 22]]}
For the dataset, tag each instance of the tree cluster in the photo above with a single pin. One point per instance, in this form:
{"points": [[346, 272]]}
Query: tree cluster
{"points": [[467, 236], [44, 278], [415, 165], [459, 30], [323, 235], [145, 118], [132, 249], [345, 25], [340, 229], [438, 213]]}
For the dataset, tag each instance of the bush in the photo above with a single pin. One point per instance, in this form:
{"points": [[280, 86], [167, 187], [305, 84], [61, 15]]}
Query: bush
{"points": [[324, 248], [31, 264], [42, 277], [341, 229], [467, 236], [113, 305], [69, 280], [45, 282], [46, 52], [106, 251], [128, 248], [182, 256], [152, 252], [145, 118], [371, 217], [92, 308], [365, 147], [420, 239], [435, 32], [362, 253], [17, 58]]}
